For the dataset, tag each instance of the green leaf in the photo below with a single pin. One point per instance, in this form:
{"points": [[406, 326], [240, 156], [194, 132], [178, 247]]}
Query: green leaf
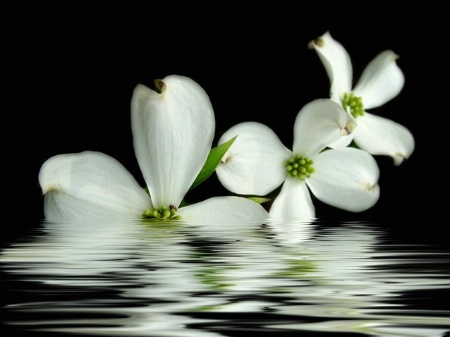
{"points": [[214, 157], [183, 204], [259, 200]]}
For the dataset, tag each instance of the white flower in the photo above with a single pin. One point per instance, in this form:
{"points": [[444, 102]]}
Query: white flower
{"points": [[258, 163], [381, 81], [173, 129]]}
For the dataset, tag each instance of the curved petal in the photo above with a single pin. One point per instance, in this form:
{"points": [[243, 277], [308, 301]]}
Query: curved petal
{"points": [[380, 81], [90, 185], [381, 136], [254, 164], [343, 141], [345, 178], [229, 210], [172, 133], [293, 203], [318, 124], [337, 64]]}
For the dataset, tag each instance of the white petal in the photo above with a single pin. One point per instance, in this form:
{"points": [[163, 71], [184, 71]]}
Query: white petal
{"points": [[293, 203], [337, 64], [318, 124], [343, 141], [173, 133], [381, 136], [380, 81], [90, 185], [224, 211], [345, 178], [254, 164]]}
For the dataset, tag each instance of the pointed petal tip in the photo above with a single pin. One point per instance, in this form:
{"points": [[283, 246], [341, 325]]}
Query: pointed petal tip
{"points": [[319, 41], [371, 186], [316, 43], [394, 55], [46, 189], [399, 158], [350, 126], [140, 93], [346, 131], [160, 86]]}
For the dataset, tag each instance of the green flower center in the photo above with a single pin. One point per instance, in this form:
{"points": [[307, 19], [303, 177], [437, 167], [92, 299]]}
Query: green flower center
{"points": [[354, 103], [162, 213], [299, 167]]}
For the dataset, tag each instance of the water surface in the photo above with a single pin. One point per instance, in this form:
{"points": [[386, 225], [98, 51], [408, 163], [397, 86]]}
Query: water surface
{"points": [[207, 280]]}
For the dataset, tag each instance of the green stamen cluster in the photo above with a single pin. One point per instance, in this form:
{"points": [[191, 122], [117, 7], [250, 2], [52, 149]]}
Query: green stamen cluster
{"points": [[162, 213], [355, 103], [299, 167]]}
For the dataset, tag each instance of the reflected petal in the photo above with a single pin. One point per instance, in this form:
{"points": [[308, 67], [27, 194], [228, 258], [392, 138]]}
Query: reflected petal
{"points": [[90, 185], [292, 232]]}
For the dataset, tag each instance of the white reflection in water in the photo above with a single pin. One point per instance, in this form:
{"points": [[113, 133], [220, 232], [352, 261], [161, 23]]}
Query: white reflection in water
{"points": [[179, 279]]}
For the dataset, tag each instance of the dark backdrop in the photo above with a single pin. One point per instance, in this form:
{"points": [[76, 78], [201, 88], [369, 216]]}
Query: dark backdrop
{"points": [[72, 76]]}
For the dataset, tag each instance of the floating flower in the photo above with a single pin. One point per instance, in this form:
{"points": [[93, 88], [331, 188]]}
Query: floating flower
{"points": [[258, 163], [173, 129], [380, 82]]}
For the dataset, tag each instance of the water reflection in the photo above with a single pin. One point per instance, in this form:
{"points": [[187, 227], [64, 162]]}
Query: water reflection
{"points": [[138, 279]]}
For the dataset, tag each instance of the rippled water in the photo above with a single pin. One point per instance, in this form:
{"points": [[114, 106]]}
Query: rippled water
{"points": [[134, 279]]}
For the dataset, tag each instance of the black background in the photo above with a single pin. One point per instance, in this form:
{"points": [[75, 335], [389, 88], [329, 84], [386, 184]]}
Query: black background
{"points": [[71, 73]]}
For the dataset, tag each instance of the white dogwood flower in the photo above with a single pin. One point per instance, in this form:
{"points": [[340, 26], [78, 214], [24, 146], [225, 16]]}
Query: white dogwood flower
{"points": [[380, 82], [258, 163], [173, 130]]}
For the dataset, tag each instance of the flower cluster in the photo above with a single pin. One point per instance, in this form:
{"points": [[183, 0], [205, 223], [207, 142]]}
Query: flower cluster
{"points": [[321, 161], [173, 130]]}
